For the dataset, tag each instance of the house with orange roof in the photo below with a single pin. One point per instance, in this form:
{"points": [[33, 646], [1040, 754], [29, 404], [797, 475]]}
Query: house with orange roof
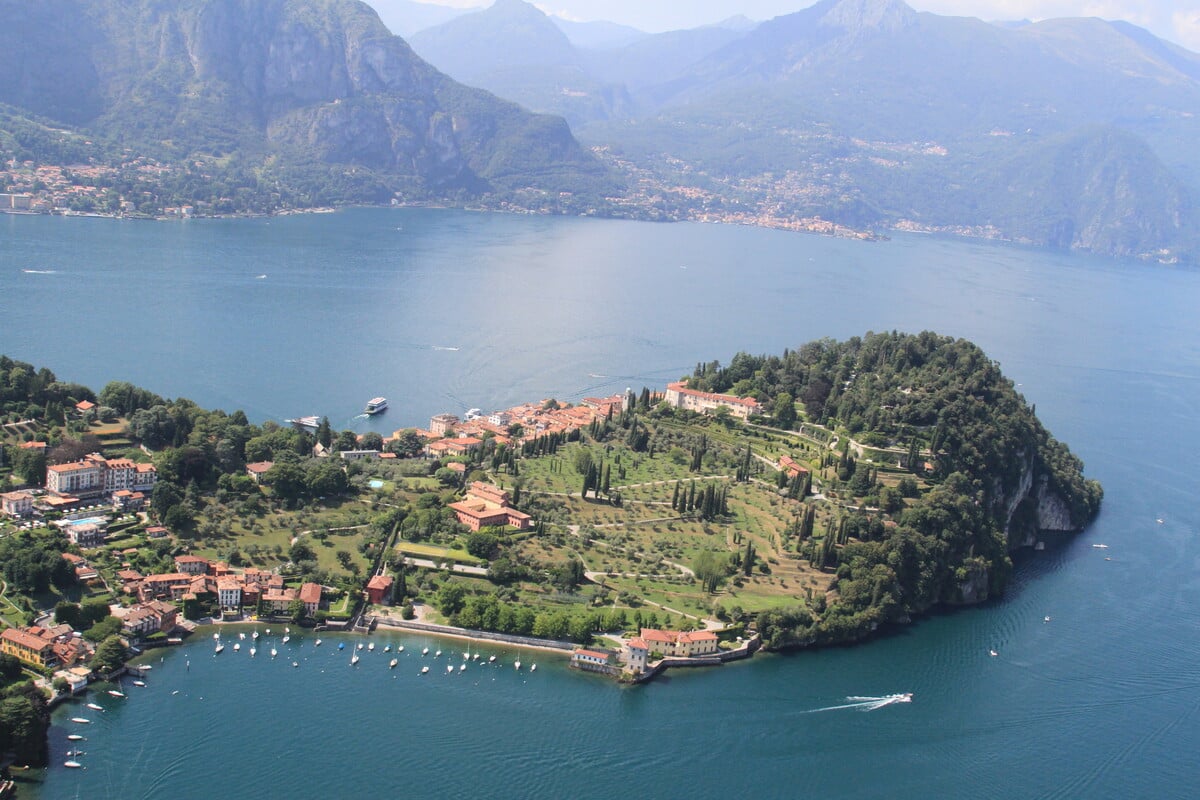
{"points": [[592, 660], [310, 595], [487, 505], [637, 655], [788, 465], [379, 588], [678, 644], [258, 469]]}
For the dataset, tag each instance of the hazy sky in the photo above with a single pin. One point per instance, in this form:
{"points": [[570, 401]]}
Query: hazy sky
{"points": [[1177, 20]]}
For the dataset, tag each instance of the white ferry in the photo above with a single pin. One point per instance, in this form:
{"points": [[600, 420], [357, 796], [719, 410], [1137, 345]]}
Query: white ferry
{"points": [[376, 405]]}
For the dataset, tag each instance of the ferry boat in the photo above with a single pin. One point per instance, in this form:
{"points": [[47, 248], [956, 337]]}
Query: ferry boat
{"points": [[376, 405]]}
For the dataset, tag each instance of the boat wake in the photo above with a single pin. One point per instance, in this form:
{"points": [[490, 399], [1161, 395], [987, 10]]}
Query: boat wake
{"points": [[867, 703], [444, 349], [40, 271]]}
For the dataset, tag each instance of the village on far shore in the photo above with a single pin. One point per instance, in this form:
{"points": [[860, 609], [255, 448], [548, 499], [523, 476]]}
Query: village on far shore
{"points": [[97, 500]]}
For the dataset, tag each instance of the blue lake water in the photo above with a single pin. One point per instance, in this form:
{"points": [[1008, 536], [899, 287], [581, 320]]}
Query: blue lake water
{"points": [[446, 310]]}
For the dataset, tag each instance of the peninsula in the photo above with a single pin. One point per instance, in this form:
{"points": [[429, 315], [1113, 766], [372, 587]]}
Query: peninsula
{"points": [[785, 501]]}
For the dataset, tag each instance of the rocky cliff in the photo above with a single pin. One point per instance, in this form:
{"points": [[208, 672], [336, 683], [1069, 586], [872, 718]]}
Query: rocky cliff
{"points": [[305, 80]]}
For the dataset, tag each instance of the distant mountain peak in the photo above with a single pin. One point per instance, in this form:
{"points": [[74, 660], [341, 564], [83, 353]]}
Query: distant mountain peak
{"points": [[868, 15]]}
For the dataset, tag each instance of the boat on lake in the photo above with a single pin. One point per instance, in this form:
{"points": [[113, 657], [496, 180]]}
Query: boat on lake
{"points": [[218, 649], [318, 643], [392, 664], [424, 670], [74, 737], [95, 707], [354, 659], [376, 405], [371, 646], [72, 764], [517, 665], [139, 683], [115, 693], [311, 422], [236, 647], [80, 720]]}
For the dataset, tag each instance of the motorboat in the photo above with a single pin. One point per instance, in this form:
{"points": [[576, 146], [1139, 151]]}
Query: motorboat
{"points": [[424, 670], [387, 648], [400, 649], [116, 693], [95, 707], [318, 643], [437, 654], [285, 639], [295, 664], [253, 652], [236, 647], [274, 652], [462, 667], [139, 683], [449, 668], [533, 668], [74, 737], [425, 652], [80, 720], [491, 659], [371, 646], [72, 764], [392, 664]]}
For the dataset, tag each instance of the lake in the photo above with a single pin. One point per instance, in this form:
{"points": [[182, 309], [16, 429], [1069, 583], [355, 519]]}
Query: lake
{"points": [[444, 310]]}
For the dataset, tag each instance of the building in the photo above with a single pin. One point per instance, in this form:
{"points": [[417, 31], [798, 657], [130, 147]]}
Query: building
{"points": [[355, 455], [442, 424], [149, 618], [16, 504], [310, 595], [96, 475], [89, 534], [464, 445], [788, 465], [379, 590], [191, 565], [679, 644], [278, 601], [592, 660], [126, 500], [229, 593], [679, 396], [637, 655], [26, 647], [487, 505], [258, 469]]}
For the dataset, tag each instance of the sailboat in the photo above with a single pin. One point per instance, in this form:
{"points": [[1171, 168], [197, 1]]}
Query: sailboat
{"points": [[354, 659], [371, 646], [392, 664], [424, 670], [517, 664], [237, 646], [533, 668], [400, 649], [253, 652], [286, 638], [318, 643], [491, 659], [218, 649]]}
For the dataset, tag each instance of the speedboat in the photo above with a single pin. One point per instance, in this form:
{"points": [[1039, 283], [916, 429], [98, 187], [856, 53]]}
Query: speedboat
{"points": [[80, 720], [1100, 546], [95, 707], [274, 652], [74, 737], [72, 764]]}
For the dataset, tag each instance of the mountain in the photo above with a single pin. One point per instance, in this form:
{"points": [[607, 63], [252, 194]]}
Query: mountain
{"points": [[311, 89], [517, 52], [599, 35], [871, 114], [406, 17]]}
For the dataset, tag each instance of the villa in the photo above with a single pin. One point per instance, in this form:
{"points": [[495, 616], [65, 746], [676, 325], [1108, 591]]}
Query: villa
{"points": [[679, 396]]}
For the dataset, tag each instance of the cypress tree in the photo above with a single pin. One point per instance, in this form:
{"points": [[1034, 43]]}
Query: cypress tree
{"points": [[675, 498]]}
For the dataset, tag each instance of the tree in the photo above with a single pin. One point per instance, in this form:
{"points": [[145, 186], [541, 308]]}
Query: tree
{"points": [[109, 626], [371, 440], [110, 654], [301, 551], [66, 612], [451, 598]]}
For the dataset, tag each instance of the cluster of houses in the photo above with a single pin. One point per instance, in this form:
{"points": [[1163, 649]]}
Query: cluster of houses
{"points": [[263, 592], [639, 652], [45, 646], [123, 482]]}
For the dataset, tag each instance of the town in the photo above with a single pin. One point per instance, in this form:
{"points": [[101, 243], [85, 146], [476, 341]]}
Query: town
{"points": [[97, 500]]}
